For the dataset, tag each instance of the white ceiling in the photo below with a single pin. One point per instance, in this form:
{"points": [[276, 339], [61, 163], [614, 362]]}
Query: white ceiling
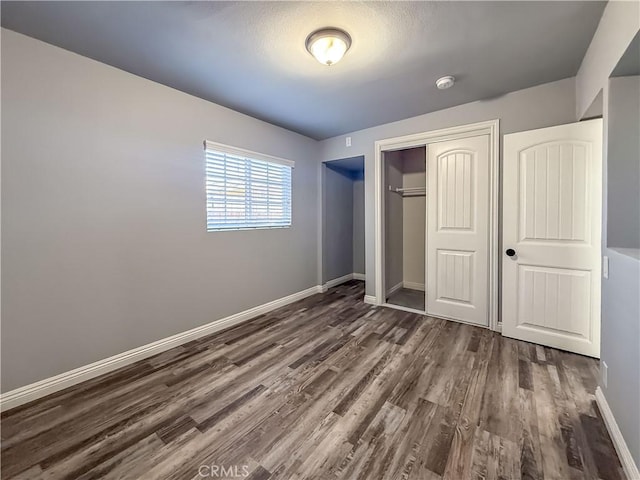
{"points": [[250, 56]]}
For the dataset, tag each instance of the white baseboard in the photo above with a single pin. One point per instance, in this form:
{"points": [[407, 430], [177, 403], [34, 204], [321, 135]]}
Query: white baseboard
{"points": [[394, 289], [340, 280], [337, 281], [37, 390], [413, 286], [628, 465], [370, 299]]}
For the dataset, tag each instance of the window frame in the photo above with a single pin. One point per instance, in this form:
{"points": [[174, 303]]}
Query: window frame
{"points": [[250, 155]]}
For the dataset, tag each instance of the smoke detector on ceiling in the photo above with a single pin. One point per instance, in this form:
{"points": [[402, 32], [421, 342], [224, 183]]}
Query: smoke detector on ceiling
{"points": [[445, 82]]}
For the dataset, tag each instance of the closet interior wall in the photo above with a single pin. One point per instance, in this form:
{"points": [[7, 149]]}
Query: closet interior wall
{"points": [[342, 218], [358, 224], [414, 219], [393, 223]]}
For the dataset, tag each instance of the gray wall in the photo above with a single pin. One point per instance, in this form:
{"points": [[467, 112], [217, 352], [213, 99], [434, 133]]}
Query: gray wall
{"points": [[620, 344], [358, 226], [537, 107], [104, 243], [393, 220], [620, 328], [623, 163], [337, 231]]}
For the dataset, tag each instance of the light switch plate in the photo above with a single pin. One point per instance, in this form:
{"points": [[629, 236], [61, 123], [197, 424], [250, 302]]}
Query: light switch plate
{"points": [[605, 266], [348, 141]]}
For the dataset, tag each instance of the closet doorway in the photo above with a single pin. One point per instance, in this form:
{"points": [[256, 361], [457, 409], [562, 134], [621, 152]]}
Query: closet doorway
{"points": [[343, 229], [436, 223], [405, 215]]}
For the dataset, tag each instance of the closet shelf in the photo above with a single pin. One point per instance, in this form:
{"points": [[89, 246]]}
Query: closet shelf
{"points": [[409, 191]]}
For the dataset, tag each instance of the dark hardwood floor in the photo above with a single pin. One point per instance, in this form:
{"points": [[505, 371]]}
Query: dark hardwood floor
{"points": [[326, 388]]}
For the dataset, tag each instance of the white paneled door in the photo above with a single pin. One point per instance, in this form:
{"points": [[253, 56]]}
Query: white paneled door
{"points": [[458, 229], [552, 195]]}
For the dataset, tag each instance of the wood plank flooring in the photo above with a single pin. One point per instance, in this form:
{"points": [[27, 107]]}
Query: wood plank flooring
{"points": [[326, 388]]}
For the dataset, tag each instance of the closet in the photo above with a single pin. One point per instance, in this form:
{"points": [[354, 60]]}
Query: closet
{"points": [[405, 214], [434, 205], [342, 220]]}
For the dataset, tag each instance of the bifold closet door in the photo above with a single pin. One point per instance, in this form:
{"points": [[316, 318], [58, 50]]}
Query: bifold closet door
{"points": [[458, 229]]}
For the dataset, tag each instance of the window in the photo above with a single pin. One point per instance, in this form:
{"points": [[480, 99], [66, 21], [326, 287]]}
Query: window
{"points": [[246, 189]]}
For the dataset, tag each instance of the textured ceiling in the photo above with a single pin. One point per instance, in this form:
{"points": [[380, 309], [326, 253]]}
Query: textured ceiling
{"points": [[250, 56]]}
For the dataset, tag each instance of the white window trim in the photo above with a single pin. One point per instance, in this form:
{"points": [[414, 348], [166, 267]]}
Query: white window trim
{"points": [[220, 147]]}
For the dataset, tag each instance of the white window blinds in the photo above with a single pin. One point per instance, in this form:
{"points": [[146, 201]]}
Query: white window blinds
{"points": [[246, 189]]}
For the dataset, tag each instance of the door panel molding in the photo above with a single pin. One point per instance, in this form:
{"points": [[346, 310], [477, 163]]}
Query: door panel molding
{"points": [[573, 199], [455, 213], [455, 271]]}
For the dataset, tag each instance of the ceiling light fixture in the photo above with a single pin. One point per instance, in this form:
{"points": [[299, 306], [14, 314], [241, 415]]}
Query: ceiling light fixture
{"points": [[328, 45], [445, 82]]}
